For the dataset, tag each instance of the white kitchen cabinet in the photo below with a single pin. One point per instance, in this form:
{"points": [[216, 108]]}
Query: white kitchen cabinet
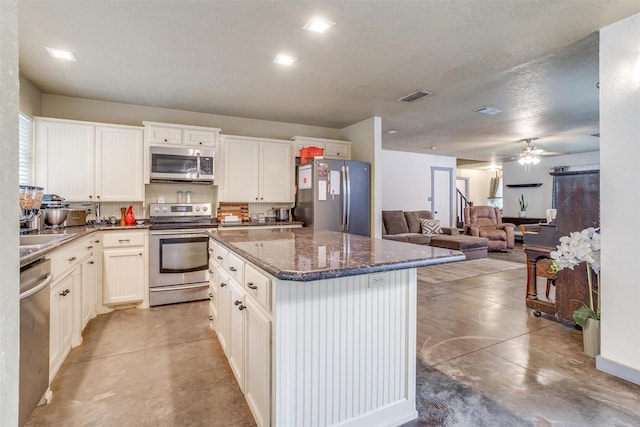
{"points": [[176, 134], [119, 164], [125, 268], [224, 311], [257, 385], [257, 170], [333, 148], [62, 293], [89, 162], [90, 275], [236, 332], [64, 158]]}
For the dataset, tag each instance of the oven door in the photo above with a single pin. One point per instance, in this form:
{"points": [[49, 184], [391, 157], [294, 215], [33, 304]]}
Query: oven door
{"points": [[178, 258]]}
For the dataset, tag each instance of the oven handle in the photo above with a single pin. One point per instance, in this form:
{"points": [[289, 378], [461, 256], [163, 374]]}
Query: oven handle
{"points": [[185, 233], [178, 288]]}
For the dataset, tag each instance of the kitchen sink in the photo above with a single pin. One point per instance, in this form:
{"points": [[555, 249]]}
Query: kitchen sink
{"points": [[33, 240]]}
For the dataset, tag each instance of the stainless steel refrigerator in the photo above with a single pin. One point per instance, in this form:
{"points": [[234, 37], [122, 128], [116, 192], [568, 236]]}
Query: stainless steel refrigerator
{"points": [[334, 195]]}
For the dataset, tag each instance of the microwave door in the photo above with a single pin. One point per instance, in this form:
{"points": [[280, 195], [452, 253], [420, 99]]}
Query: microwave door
{"points": [[172, 166]]}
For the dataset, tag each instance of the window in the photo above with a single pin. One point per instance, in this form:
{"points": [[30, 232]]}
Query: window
{"points": [[25, 137]]}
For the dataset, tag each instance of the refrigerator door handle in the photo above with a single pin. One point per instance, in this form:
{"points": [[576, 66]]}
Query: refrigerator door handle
{"points": [[348, 216], [344, 199]]}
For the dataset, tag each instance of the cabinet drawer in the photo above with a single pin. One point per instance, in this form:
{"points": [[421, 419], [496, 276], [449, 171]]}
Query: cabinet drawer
{"points": [[114, 239], [235, 267], [221, 256], [68, 258], [258, 285]]}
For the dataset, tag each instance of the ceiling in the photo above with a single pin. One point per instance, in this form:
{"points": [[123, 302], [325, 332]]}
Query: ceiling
{"points": [[536, 60]]}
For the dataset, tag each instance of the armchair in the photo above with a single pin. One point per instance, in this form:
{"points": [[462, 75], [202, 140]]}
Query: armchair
{"points": [[485, 221]]}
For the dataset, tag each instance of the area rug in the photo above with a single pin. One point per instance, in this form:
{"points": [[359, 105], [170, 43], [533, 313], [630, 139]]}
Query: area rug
{"points": [[465, 269]]}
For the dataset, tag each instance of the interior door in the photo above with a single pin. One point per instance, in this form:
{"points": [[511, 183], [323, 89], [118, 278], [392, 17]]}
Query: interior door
{"points": [[442, 185]]}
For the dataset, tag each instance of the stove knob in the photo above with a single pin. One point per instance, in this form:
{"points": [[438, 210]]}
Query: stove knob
{"points": [[165, 209], [197, 208], [204, 209], [156, 209]]}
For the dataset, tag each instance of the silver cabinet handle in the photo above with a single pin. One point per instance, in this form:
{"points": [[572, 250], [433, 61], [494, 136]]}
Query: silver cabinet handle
{"points": [[72, 259], [210, 317], [232, 269], [123, 240], [237, 303], [241, 307], [250, 285], [222, 285]]}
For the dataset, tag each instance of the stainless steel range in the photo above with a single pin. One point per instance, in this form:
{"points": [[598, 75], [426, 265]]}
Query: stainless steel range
{"points": [[179, 259]]}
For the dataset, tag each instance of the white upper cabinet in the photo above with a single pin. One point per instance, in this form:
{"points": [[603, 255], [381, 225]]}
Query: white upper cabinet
{"points": [[119, 171], [257, 170], [176, 134], [64, 158], [333, 148], [89, 162]]}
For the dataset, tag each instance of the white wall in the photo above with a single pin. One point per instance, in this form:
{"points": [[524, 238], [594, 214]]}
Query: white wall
{"points": [[479, 184], [406, 179], [9, 262], [619, 197], [65, 107], [538, 198], [30, 98], [366, 145]]}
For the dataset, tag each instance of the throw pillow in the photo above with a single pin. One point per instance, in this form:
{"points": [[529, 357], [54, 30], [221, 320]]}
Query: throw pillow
{"points": [[430, 226]]}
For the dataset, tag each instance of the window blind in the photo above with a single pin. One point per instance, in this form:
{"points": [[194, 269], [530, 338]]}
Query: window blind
{"points": [[25, 136]]}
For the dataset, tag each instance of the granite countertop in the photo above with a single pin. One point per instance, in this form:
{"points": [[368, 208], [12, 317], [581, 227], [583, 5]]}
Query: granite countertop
{"points": [[29, 254], [304, 254], [260, 224]]}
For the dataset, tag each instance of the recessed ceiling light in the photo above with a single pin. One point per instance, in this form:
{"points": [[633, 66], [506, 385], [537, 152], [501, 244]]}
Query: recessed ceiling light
{"points": [[62, 54], [433, 147], [284, 59], [318, 24], [392, 131], [492, 111]]}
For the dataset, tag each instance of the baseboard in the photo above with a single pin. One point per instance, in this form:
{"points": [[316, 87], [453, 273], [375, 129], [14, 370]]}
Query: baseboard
{"points": [[618, 370]]}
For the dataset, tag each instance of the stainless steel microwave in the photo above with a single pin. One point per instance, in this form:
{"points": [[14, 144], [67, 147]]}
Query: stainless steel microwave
{"points": [[168, 164]]}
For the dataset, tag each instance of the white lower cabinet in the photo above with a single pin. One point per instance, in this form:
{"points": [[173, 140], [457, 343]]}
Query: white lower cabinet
{"points": [[124, 267], [61, 320], [257, 383], [243, 325]]}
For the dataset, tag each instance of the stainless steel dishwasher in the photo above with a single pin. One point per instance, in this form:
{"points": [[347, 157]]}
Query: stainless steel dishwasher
{"points": [[34, 335]]}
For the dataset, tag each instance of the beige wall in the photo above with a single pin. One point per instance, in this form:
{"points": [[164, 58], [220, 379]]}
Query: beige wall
{"points": [[9, 263], [65, 107], [30, 98]]}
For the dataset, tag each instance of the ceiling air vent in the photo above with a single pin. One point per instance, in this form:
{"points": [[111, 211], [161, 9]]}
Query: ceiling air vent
{"points": [[415, 96]]}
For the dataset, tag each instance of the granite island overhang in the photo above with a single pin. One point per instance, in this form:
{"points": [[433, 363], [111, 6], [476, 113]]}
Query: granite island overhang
{"points": [[340, 315]]}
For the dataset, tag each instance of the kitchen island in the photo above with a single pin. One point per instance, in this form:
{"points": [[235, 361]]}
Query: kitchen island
{"points": [[319, 327]]}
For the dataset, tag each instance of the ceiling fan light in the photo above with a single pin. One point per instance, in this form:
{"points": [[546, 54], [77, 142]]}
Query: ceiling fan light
{"points": [[536, 160], [521, 160]]}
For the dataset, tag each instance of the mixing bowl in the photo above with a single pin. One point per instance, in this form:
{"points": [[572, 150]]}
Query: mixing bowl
{"points": [[55, 217]]}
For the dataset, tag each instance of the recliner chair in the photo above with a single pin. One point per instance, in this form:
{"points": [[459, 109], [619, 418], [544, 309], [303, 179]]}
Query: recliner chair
{"points": [[485, 221]]}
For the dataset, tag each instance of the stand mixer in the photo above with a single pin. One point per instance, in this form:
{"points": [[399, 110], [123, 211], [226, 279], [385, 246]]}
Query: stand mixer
{"points": [[30, 201]]}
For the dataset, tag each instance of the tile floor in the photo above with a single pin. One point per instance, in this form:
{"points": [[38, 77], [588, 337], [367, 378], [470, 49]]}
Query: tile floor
{"points": [[483, 360]]}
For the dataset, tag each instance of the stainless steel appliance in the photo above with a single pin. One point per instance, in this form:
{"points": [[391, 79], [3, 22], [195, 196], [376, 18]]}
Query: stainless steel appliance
{"points": [[283, 214], [34, 335], [179, 258], [334, 195], [181, 164]]}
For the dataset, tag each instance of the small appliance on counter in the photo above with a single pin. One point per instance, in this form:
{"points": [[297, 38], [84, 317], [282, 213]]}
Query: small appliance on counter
{"points": [[30, 204], [53, 205]]}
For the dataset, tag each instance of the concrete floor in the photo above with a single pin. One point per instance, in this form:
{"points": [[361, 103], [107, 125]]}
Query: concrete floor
{"points": [[483, 359]]}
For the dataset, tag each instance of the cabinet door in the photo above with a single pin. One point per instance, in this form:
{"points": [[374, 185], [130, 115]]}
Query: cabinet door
{"points": [[241, 170], [123, 275], [199, 138], [276, 172], [60, 323], [236, 333], [258, 363], [119, 165], [224, 310], [65, 154], [89, 285], [156, 134]]}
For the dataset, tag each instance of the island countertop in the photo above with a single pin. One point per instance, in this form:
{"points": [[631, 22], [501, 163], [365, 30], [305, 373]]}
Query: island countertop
{"points": [[305, 254]]}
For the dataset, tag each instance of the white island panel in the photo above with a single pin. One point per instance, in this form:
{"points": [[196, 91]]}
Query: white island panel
{"points": [[345, 350]]}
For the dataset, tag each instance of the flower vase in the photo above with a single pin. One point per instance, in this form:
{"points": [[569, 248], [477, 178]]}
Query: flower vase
{"points": [[591, 337], [523, 214], [129, 219]]}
